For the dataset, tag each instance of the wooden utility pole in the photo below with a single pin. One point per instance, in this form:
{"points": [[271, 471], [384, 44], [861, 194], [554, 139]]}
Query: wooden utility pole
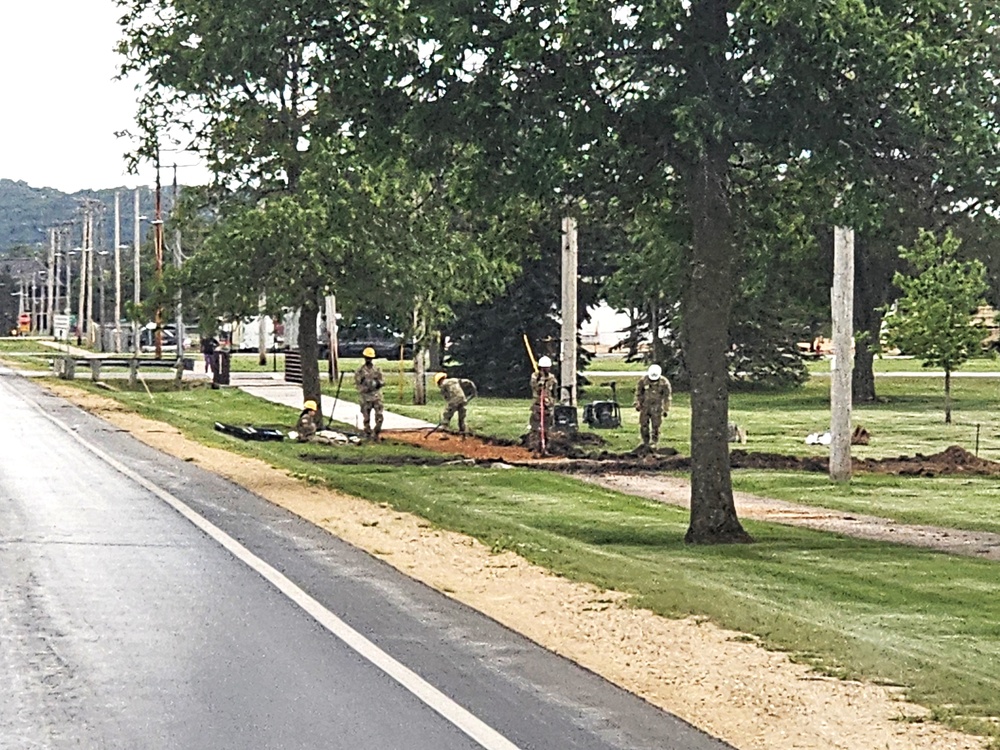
{"points": [[89, 248], [262, 330], [331, 333], [842, 303], [567, 343], [50, 289], [83, 287], [57, 273]]}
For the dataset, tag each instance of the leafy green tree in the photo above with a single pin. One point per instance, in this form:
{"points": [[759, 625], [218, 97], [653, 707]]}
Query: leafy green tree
{"points": [[934, 315], [689, 103], [487, 338]]}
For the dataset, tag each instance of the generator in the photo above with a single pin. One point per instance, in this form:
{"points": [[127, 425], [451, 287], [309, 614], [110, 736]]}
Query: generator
{"points": [[604, 415], [564, 416]]}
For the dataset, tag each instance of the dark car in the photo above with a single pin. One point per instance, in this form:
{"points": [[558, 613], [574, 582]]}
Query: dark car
{"points": [[353, 338]]}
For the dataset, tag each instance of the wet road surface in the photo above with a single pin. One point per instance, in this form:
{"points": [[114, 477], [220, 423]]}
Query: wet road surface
{"points": [[145, 603]]}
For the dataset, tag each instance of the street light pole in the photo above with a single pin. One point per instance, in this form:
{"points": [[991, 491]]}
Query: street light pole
{"points": [[158, 249], [178, 259], [118, 273], [136, 258]]}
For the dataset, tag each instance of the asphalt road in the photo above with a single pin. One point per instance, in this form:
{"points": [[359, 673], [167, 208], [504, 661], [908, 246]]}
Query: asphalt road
{"points": [[145, 603]]}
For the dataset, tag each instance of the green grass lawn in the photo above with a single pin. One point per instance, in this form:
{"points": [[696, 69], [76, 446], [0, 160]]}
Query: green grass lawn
{"points": [[26, 354], [987, 363], [893, 614]]}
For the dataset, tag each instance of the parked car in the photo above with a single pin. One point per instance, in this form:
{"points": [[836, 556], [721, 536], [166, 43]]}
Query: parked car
{"points": [[353, 338], [147, 338]]}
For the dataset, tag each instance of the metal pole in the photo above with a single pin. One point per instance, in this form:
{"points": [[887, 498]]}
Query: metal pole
{"points": [[158, 250], [842, 301], [178, 258], [118, 273], [136, 259]]}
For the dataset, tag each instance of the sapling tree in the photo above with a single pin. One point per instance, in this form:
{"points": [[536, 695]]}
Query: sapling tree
{"points": [[934, 317]]}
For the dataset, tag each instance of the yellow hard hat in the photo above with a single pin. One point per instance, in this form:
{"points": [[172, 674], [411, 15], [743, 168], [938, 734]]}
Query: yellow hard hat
{"points": [[368, 353], [438, 377], [310, 404]]}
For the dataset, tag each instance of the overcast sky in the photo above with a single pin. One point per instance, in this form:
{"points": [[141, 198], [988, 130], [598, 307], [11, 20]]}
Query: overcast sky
{"points": [[60, 104]]}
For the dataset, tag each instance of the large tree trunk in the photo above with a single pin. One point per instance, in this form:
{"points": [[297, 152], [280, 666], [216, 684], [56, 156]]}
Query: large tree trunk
{"points": [[708, 298], [863, 374], [706, 324], [309, 350], [874, 266]]}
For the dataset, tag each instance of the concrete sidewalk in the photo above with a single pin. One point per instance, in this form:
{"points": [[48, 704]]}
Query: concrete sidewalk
{"points": [[272, 387]]}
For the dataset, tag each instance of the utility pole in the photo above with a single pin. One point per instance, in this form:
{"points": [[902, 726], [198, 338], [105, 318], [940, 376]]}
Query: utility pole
{"points": [[262, 330], [118, 273], [50, 302], [68, 249], [567, 349], [57, 274], [331, 332], [178, 259], [89, 249], [842, 302], [136, 261], [158, 250], [83, 287]]}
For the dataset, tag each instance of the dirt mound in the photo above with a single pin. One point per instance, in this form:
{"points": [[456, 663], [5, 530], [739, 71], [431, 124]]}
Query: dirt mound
{"points": [[952, 460], [469, 446], [567, 455]]}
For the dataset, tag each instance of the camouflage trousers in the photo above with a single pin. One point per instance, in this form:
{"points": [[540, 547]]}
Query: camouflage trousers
{"points": [[369, 406], [649, 425], [452, 408], [536, 416]]}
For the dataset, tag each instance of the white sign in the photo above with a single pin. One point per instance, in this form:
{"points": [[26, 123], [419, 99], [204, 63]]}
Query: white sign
{"points": [[60, 324]]}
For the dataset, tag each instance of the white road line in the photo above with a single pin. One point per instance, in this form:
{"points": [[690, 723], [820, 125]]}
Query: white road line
{"points": [[471, 725]]}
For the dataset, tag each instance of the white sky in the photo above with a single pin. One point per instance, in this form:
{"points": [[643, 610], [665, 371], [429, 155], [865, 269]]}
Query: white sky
{"points": [[59, 103]]}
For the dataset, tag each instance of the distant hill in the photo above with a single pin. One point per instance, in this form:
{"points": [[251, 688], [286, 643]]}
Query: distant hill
{"points": [[26, 213]]}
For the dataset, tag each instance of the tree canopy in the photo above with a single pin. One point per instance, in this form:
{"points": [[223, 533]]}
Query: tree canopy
{"points": [[683, 117]]}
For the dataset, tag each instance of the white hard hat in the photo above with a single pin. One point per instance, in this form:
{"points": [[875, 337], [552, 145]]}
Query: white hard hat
{"points": [[654, 372], [544, 362]]}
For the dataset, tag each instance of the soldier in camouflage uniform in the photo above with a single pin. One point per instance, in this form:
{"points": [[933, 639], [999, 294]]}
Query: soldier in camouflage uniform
{"points": [[653, 396], [369, 381], [308, 423], [457, 393], [544, 391]]}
